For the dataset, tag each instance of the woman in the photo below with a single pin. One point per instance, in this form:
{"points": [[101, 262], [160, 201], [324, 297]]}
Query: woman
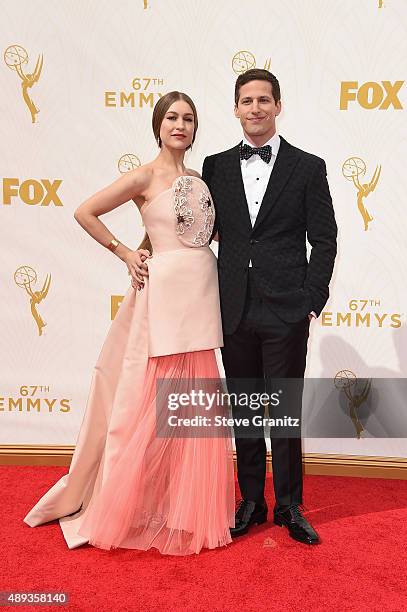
{"points": [[134, 481]]}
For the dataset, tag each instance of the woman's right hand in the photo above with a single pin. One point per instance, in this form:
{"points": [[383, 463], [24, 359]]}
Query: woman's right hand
{"points": [[137, 267]]}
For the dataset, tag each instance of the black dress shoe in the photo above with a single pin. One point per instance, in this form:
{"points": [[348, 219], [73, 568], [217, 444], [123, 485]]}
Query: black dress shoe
{"points": [[248, 513], [298, 527]]}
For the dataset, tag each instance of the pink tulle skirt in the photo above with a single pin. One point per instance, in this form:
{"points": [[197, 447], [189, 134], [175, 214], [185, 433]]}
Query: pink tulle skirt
{"points": [[130, 484], [175, 494]]}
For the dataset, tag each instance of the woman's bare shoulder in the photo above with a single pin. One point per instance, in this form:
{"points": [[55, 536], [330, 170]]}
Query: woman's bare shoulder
{"points": [[141, 176]]}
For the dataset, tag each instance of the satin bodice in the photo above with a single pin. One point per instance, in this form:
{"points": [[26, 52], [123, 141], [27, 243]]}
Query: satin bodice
{"points": [[182, 286], [180, 217]]}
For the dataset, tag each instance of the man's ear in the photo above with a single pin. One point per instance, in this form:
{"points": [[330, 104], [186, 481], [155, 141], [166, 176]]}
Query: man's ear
{"points": [[236, 110], [278, 108]]}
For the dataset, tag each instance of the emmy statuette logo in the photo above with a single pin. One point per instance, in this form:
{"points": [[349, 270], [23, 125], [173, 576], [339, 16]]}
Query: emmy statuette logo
{"points": [[245, 60], [346, 381], [128, 162], [353, 169], [15, 57], [25, 277]]}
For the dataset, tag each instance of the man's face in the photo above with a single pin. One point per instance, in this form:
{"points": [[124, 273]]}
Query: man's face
{"points": [[257, 109]]}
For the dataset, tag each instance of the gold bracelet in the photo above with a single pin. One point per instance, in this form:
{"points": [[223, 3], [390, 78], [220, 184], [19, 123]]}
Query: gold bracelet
{"points": [[113, 244]]}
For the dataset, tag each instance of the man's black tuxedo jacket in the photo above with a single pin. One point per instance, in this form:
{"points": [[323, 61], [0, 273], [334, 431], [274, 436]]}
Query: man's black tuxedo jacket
{"points": [[296, 206]]}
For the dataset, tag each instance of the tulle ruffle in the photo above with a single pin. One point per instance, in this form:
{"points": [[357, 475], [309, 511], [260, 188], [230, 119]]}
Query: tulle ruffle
{"points": [[175, 494]]}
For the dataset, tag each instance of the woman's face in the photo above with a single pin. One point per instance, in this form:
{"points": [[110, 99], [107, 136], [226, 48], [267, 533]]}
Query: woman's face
{"points": [[177, 127]]}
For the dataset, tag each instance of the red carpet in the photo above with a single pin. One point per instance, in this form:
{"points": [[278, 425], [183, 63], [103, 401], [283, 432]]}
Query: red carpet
{"points": [[361, 564]]}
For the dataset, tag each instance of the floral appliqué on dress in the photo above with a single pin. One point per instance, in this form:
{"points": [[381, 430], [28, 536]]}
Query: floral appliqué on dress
{"points": [[185, 215], [205, 201]]}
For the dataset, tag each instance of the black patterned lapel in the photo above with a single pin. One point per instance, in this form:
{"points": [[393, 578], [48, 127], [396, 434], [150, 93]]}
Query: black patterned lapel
{"points": [[284, 165]]}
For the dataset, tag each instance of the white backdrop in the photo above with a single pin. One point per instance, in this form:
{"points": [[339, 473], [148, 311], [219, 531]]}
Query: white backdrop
{"points": [[104, 64]]}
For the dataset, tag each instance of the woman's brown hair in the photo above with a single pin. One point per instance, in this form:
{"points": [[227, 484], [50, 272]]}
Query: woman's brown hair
{"points": [[160, 109]]}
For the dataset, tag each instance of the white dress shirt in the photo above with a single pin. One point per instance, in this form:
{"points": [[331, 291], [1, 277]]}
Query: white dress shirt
{"points": [[256, 174]]}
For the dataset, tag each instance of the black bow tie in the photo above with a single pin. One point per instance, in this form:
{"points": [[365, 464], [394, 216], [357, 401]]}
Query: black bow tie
{"points": [[246, 152]]}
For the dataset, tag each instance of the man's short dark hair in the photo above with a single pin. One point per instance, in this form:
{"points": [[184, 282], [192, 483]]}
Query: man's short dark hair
{"points": [[258, 74]]}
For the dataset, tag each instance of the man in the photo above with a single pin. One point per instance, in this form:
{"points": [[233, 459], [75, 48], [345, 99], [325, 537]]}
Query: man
{"points": [[269, 197]]}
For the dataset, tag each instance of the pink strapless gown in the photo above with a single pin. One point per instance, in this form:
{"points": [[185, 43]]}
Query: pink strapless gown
{"points": [[127, 487]]}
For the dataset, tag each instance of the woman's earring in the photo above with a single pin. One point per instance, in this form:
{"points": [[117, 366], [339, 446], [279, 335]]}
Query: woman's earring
{"points": [[158, 140]]}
